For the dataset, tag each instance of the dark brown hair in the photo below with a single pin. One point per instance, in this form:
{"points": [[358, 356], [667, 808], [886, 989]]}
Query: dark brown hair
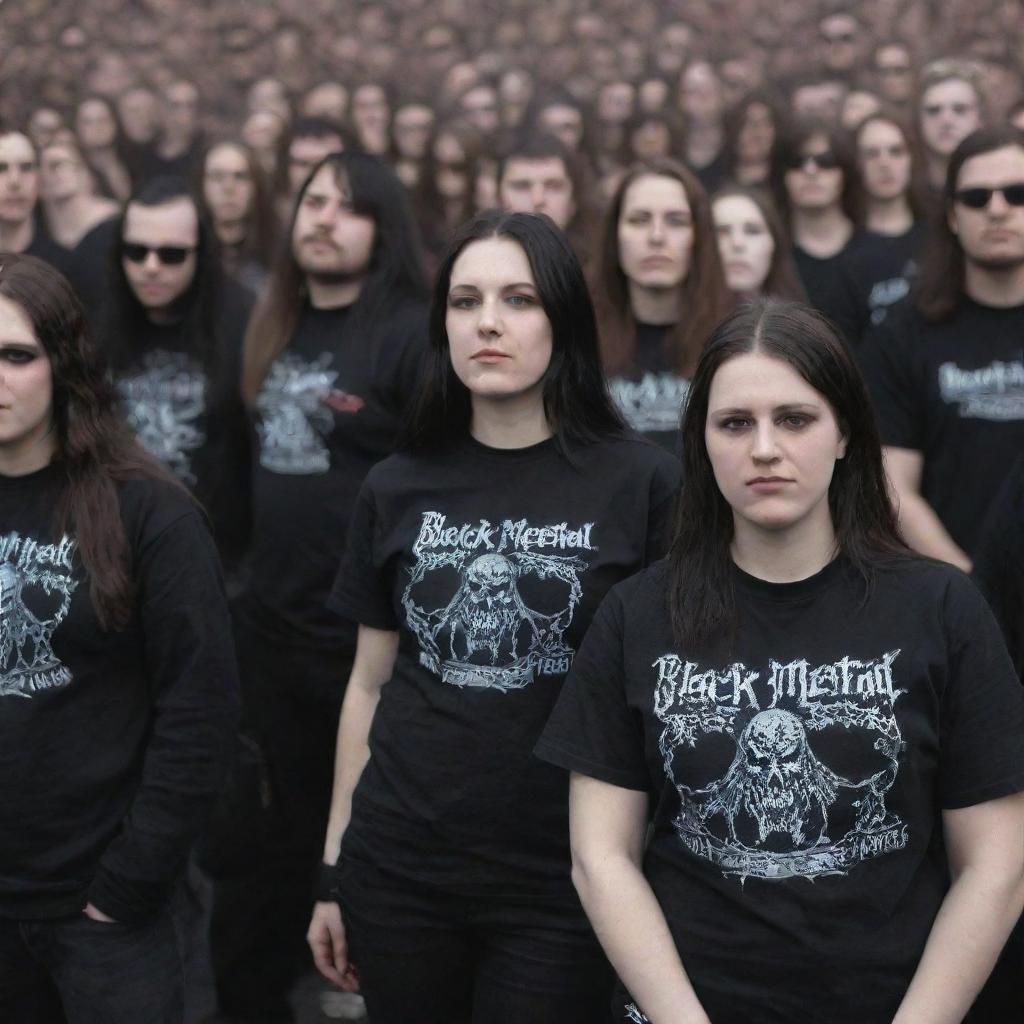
{"points": [[917, 190], [705, 297]]}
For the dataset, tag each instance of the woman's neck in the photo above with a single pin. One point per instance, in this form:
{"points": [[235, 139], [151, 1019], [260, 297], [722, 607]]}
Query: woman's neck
{"points": [[658, 306], [230, 232], [821, 233], [890, 217], [785, 556], [510, 423]]}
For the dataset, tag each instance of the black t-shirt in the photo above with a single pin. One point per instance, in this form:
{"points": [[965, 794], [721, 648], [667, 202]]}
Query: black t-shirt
{"points": [[112, 744], [797, 776], [953, 391], [999, 568], [651, 398], [874, 275], [821, 277], [194, 425], [87, 265], [489, 564], [331, 406]]}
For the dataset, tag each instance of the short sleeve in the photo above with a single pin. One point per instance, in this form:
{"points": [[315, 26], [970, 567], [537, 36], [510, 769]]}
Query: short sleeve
{"points": [[362, 590], [592, 730], [982, 718], [894, 372]]}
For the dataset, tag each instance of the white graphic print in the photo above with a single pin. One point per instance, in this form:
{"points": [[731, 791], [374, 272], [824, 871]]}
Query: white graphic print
{"points": [[993, 392], [771, 814], [296, 415], [886, 293], [486, 634], [36, 585], [652, 404], [163, 403], [634, 1016]]}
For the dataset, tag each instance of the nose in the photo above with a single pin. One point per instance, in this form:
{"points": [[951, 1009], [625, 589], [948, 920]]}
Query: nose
{"points": [[489, 322], [537, 197], [765, 448], [151, 263], [997, 205], [656, 235]]}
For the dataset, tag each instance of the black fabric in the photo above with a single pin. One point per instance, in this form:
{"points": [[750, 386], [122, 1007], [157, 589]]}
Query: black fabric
{"points": [[331, 407], [489, 563], [87, 265], [872, 276], [192, 418], [999, 568], [821, 277], [954, 391], [112, 745], [652, 395], [797, 775]]}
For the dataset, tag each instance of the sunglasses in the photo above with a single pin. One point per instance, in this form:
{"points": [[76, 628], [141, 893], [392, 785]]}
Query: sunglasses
{"points": [[979, 197], [168, 255], [826, 161]]}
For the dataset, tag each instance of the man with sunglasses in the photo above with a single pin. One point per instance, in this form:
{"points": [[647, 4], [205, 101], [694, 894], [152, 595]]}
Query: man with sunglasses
{"points": [[947, 366]]}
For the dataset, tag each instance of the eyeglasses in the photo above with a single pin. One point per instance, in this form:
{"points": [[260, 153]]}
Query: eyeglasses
{"points": [[168, 255], [979, 197], [839, 38], [826, 161]]}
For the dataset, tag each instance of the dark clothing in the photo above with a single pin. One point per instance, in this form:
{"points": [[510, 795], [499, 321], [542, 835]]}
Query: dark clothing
{"points": [[797, 775], [954, 391], [112, 744], [872, 276], [821, 277], [87, 265], [652, 396]]}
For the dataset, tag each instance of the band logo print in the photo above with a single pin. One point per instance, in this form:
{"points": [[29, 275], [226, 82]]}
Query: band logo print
{"points": [[508, 593], [774, 812], [652, 404], [36, 585]]}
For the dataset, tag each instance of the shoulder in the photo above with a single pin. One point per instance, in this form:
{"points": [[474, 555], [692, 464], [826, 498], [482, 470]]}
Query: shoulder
{"points": [[635, 455], [150, 506], [931, 585], [638, 594]]}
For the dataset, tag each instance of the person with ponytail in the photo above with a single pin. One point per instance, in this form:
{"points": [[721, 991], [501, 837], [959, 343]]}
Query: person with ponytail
{"points": [[118, 691]]}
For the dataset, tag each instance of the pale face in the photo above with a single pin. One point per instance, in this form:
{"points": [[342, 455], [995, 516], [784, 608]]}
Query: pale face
{"points": [[228, 186], [61, 174], [811, 186], [330, 240], [305, 152], [993, 237], [701, 93], [499, 337], [95, 125], [538, 186], [329, 99], [412, 127], [615, 102], [949, 113], [744, 242], [157, 285], [370, 108], [773, 442], [754, 140], [564, 122], [44, 123], [884, 159], [19, 178], [140, 114], [650, 139], [480, 108], [655, 232], [26, 384]]}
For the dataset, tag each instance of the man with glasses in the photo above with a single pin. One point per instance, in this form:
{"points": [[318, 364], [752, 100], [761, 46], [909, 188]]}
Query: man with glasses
{"points": [[840, 38], [947, 366], [894, 74]]}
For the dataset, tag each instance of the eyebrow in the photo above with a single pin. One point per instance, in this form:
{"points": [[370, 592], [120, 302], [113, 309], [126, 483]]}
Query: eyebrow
{"points": [[504, 287], [788, 407]]}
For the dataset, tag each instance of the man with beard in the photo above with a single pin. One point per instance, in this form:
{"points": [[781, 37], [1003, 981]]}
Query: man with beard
{"points": [[331, 364], [946, 367]]}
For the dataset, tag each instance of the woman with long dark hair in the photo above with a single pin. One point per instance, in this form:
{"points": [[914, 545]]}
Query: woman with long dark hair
{"points": [[475, 558], [827, 729], [117, 681], [660, 290], [102, 142]]}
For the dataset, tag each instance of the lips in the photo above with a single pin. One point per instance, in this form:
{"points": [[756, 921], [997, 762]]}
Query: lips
{"points": [[489, 355]]}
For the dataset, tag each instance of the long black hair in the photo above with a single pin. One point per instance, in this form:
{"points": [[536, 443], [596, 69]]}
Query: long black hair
{"points": [[701, 600], [576, 400], [395, 274]]}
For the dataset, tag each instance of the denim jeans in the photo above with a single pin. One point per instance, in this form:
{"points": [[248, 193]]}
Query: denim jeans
{"points": [[82, 971]]}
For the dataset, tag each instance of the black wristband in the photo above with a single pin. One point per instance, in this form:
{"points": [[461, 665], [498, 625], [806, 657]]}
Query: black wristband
{"points": [[326, 884]]}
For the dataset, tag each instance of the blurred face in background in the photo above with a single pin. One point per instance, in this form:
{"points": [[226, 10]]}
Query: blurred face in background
{"points": [[95, 125], [884, 160], [411, 129], [228, 185], [655, 232], [538, 186], [564, 122], [816, 182], [745, 243], [140, 115], [756, 136], [894, 73], [950, 111], [19, 178]]}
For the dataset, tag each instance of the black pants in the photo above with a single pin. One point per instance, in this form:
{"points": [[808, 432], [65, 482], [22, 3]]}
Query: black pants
{"points": [[82, 971], [431, 957], [260, 916]]}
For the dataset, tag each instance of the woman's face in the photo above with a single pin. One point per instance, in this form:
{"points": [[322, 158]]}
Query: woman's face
{"points": [[228, 186], [499, 336], [650, 139], [744, 242], [451, 175], [370, 111], [757, 134], [26, 383], [95, 125], [773, 442], [884, 159], [655, 232]]}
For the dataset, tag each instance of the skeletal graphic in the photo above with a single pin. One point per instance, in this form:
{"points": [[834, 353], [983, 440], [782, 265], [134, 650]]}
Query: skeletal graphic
{"points": [[653, 403], [34, 600], [164, 403], [294, 415]]}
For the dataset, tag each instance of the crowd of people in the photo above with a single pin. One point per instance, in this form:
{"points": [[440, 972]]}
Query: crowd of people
{"points": [[486, 499]]}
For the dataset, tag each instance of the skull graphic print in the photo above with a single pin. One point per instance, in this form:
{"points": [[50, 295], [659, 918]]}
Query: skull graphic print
{"points": [[487, 632]]}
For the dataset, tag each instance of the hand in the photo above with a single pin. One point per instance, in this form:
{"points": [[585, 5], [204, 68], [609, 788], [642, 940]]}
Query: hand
{"points": [[97, 915], [326, 938]]}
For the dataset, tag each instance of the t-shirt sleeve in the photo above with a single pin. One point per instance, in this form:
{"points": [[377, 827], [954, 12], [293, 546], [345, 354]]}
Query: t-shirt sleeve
{"points": [[592, 730], [981, 732], [361, 591], [895, 377]]}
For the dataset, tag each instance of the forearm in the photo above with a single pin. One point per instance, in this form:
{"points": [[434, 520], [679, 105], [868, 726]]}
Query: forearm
{"points": [[970, 929], [632, 929], [924, 532], [353, 751]]}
